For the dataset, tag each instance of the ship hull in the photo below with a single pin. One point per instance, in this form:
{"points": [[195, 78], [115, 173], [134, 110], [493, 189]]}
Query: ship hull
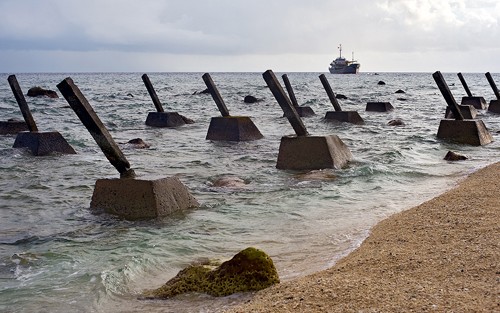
{"points": [[350, 69]]}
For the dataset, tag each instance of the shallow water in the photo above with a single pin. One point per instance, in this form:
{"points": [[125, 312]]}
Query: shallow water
{"points": [[56, 256]]}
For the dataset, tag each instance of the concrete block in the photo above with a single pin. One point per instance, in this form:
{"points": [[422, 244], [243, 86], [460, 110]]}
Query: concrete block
{"points": [[471, 132], [232, 128], [164, 119], [141, 198], [12, 127], [304, 111], [43, 143], [494, 106], [478, 102], [345, 116], [312, 153], [379, 106], [469, 112]]}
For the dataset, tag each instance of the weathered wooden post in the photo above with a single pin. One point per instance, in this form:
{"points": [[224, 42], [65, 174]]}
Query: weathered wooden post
{"points": [[477, 102], [495, 103], [467, 131], [160, 118], [39, 143], [303, 111], [338, 114], [227, 127], [127, 196], [467, 111], [302, 151]]}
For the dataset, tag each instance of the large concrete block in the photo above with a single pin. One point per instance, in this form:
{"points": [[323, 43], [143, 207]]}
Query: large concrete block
{"points": [[345, 116], [232, 128], [477, 102], [43, 143], [471, 132], [141, 198], [494, 106], [379, 106], [469, 112], [12, 127], [312, 153], [164, 119]]}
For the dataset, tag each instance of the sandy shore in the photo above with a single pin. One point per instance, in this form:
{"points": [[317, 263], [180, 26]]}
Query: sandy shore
{"points": [[441, 256]]}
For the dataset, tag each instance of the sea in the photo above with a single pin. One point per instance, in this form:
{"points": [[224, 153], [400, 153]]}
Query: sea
{"points": [[57, 255]]}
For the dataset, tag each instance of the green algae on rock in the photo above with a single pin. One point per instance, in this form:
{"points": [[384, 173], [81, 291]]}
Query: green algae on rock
{"points": [[249, 270]]}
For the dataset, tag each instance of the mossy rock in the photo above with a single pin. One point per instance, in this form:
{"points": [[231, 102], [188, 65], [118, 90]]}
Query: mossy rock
{"points": [[249, 270]]}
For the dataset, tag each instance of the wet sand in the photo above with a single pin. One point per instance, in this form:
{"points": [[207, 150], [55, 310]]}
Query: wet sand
{"points": [[441, 256]]}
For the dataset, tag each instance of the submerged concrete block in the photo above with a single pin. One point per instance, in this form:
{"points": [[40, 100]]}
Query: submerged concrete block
{"points": [[141, 198], [304, 111], [12, 127], [345, 116], [379, 106], [312, 153], [43, 143], [232, 128], [477, 102], [471, 132], [164, 119], [469, 112], [494, 106]]}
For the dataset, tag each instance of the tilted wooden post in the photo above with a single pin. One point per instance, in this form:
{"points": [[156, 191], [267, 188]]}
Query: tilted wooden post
{"points": [[89, 118], [448, 96], [466, 87], [289, 89], [215, 94], [152, 93], [493, 85], [23, 105], [284, 102], [330, 93]]}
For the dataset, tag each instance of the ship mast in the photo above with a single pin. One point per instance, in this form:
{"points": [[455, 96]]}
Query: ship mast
{"points": [[340, 50]]}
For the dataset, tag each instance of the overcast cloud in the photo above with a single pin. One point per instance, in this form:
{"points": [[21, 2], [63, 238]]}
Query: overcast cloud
{"points": [[233, 35]]}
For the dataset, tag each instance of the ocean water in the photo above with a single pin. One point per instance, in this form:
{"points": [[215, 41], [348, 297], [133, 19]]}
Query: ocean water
{"points": [[57, 256]]}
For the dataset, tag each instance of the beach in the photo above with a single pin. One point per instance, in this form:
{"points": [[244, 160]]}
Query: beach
{"points": [[440, 256]]}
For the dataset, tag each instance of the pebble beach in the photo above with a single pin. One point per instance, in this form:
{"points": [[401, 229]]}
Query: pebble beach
{"points": [[440, 256]]}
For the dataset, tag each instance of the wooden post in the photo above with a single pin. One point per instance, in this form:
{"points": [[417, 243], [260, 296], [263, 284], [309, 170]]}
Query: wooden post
{"points": [[89, 118], [493, 85], [215, 94], [289, 89], [448, 96], [330, 93], [152, 93], [23, 105], [462, 80], [284, 102]]}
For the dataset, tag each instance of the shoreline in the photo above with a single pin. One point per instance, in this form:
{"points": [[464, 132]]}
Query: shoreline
{"points": [[442, 255]]}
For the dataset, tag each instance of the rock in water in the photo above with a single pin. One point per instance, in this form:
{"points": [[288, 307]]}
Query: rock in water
{"points": [[250, 99], [381, 82], [138, 143], [453, 156], [39, 91], [229, 181], [249, 270], [187, 120], [396, 122]]}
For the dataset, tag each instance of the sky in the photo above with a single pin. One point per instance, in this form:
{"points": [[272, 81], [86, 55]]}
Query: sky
{"points": [[248, 36]]}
